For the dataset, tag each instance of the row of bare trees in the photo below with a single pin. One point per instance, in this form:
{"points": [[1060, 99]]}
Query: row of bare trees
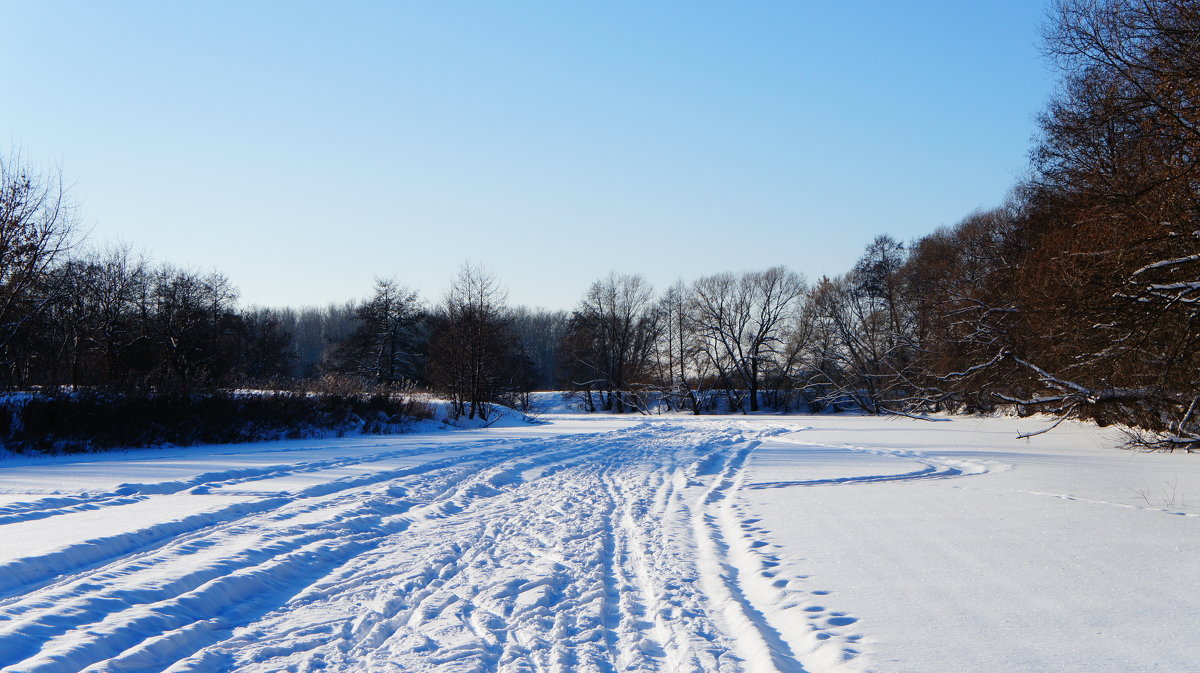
{"points": [[1080, 296], [1085, 299], [112, 319], [721, 338], [751, 341]]}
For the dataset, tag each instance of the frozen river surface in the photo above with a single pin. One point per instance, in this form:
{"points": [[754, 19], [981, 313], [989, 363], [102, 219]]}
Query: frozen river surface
{"points": [[790, 544]]}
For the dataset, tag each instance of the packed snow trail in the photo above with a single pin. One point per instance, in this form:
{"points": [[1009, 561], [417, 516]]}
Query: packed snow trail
{"points": [[812, 544], [617, 551]]}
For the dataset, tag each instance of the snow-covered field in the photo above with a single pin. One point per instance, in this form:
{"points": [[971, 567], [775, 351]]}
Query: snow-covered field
{"points": [[829, 543]]}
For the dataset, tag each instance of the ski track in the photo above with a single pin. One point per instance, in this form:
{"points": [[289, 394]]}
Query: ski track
{"points": [[934, 467], [622, 551]]}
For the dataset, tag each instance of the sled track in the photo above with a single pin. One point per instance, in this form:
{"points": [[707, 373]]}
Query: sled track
{"points": [[933, 467], [623, 551]]}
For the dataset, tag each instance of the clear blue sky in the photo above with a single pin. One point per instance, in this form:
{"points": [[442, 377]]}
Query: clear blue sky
{"points": [[302, 148]]}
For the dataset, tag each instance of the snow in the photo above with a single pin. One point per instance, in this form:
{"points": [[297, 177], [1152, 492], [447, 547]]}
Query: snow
{"points": [[1049, 561], [554, 402], [604, 543], [34, 538]]}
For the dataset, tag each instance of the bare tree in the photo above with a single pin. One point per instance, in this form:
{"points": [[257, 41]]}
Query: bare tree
{"points": [[37, 225], [473, 354], [117, 284], [742, 320], [610, 341], [1107, 296], [540, 332], [190, 312], [682, 371], [382, 347], [958, 285]]}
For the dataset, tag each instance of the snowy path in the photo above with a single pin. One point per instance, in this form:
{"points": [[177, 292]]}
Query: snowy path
{"points": [[591, 552], [665, 545]]}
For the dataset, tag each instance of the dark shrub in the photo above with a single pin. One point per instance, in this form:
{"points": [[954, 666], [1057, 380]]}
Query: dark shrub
{"points": [[99, 420]]}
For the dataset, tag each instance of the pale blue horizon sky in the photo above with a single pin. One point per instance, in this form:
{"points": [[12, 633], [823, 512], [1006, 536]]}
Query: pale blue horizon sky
{"points": [[303, 148]]}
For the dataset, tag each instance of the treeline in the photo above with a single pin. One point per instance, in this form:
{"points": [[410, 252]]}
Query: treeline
{"points": [[1079, 297], [1082, 296], [104, 348], [112, 320]]}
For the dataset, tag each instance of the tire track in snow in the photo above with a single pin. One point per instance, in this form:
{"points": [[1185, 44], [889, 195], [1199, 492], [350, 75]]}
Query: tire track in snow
{"points": [[122, 617], [21, 574], [758, 642], [82, 558], [677, 632], [570, 554], [44, 508], [127, 493], [423, 593], [934, 467], [518, 583]]}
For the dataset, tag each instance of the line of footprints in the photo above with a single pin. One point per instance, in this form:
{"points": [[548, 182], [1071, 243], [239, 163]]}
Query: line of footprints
{"points": [[827, 625]]}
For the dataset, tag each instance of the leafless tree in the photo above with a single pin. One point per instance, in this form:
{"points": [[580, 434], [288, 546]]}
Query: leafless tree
{"points": [[382, 346], [189, 312], [473, 355], [37, 227], [539, 332], [1108, 291], [610, 341], [741, 320], [681, 370]]}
